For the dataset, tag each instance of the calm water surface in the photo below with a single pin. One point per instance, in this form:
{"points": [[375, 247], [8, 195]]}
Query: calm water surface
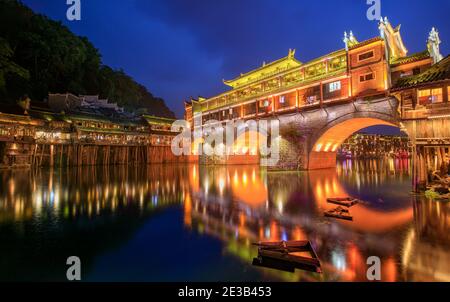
{"points": [[193, 223]]}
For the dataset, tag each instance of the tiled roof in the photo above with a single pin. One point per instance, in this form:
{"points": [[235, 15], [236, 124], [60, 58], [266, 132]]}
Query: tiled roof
{"points": [[366, 42], [158, 120], [438, 72], [271, 68], [412, 58]]}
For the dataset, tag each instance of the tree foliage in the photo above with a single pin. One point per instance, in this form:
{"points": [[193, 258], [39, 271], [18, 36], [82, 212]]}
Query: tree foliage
{"points": [[40, 56], [7, 66]]}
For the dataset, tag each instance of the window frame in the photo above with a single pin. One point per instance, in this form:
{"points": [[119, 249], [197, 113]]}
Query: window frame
{"points": [[331, 85], [430, 95], [365, 75], [365, 53]]}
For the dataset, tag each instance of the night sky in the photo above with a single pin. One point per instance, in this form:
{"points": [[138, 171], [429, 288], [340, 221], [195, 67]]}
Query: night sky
{"points": [[183, 48]]}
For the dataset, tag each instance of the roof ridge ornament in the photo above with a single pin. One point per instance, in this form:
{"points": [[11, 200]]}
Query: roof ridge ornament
{"points": [[393, 39], [349, 40], [346, 40], [433, 46], [291, 53]]}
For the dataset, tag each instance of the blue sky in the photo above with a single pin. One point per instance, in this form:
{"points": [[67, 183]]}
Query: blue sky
{"points": [[183, 48]]}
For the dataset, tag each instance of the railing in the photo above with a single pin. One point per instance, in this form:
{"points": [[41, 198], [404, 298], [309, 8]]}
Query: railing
{"points": [[430, 111], [284, 86]]}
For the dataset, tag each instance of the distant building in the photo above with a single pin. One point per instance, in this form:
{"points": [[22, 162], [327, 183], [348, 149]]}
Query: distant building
{"points": [[94, 102], [63, 102], [68, 102], [364, 146]]}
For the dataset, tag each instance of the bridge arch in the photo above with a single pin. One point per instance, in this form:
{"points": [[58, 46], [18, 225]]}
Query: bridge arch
{"points": [[325, 142]]}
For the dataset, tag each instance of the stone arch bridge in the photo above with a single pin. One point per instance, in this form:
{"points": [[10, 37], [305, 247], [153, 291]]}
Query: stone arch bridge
{"points": [[310, 139]]}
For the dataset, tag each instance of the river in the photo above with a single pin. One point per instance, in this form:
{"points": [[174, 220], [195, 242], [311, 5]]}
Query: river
{"points": [[197, 223]]}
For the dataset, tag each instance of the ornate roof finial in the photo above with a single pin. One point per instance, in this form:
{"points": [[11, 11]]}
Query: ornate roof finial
{"points": [[352, 39], [433, 45], [346, 40], [291, 53], [349, 40]]}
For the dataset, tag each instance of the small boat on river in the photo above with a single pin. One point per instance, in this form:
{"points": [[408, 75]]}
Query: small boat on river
{"points": [[339, 213], [343, 201], [287, 256]]}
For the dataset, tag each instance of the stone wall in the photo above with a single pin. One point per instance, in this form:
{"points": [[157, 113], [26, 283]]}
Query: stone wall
{"points": [[301, 131]]}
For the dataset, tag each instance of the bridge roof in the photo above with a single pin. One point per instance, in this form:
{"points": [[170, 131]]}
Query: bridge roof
{"points": [[266, 69], [436, 73]]}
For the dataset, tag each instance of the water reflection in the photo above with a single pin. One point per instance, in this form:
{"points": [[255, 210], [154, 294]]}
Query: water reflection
{"points": [[92, 211], [64, 194]]}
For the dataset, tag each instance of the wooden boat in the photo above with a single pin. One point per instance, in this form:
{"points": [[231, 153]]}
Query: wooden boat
{"points": [[287, 255], [274, 264], [344, 201], [339, 213]]}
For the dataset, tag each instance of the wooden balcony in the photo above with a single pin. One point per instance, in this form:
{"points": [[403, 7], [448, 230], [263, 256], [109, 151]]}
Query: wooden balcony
{"points": [[431, 111]]}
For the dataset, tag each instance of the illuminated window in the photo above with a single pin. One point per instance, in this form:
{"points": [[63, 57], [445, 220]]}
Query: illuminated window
{"points": [[311, 99], [366, 77], [424, 93], [406, 73], [335, 86], [283, 99], [365, 56], [337, 63], [250, 109], [436, 95], [429, 96], [266, 103]]}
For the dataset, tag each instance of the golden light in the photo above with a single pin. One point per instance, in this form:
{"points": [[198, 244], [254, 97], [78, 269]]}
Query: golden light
{"points": [[244, 178], [221, 185], [241, 220], [206, 185], [194, 173], [280, 206], [337, 135]]}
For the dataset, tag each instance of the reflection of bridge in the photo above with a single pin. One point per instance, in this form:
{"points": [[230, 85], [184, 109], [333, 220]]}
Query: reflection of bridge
{"points": [[278, 206], [284, 194], [285, 212], [321, 103]]}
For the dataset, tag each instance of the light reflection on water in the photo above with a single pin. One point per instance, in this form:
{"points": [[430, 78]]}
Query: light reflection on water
{"points": [[102, 214]]}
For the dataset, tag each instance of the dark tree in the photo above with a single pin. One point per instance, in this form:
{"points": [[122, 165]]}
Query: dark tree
{"points": [[40, 56]]}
